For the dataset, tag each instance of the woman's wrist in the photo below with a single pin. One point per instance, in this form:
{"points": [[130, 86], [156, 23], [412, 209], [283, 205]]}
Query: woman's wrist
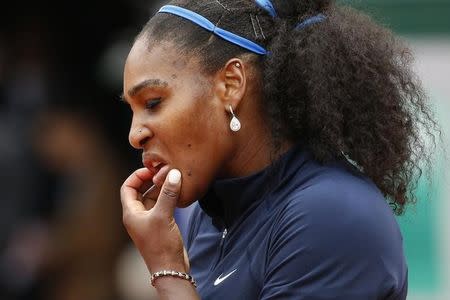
{"points": [[169, 287], [171, 273]]}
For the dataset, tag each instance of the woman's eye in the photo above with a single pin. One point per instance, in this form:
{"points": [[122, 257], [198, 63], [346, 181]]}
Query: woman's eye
{"points": [[151, 104]]}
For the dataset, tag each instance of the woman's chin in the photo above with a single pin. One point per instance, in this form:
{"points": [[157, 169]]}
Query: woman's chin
{"points": [[186, 199], [185, 203]]}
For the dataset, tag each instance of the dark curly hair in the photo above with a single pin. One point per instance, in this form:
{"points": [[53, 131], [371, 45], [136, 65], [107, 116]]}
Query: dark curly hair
{"points": [[344, 86]]}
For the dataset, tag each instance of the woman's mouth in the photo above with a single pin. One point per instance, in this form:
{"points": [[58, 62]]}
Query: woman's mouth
{"points": [[160, 175], [155, 166]]}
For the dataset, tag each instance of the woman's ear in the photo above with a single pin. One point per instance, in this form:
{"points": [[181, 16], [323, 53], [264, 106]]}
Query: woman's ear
{"points": [[231, 83]]}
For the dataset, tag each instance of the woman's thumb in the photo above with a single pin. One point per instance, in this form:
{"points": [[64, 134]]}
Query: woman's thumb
{"points": [[170, 191]]}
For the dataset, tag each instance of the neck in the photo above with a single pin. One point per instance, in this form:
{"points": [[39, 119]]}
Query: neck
{"points": [[254, 153], [253, 145]]}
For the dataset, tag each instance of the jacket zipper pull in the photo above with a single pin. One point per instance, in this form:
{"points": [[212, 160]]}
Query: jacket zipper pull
{"points": [[224, 234], [219, 257]]}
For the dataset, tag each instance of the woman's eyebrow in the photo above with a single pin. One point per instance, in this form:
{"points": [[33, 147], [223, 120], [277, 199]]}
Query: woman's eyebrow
{"points": [[148, 83]]}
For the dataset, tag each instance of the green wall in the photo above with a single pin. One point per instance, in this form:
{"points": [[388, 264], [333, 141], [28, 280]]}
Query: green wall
{"points": [[408, 16]]}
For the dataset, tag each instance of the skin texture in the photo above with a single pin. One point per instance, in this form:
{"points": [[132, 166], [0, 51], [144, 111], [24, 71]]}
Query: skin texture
{"points": [[189, 127], [181, 130], [155, 233]]}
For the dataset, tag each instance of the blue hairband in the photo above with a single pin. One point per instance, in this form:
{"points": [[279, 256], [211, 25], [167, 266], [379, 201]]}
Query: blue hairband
{"points": [[310, 21], [208, 25], [227, 35], [268, 6]]}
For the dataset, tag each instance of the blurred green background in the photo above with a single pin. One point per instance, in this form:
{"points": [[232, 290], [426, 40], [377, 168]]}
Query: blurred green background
{"points": [[408, 16]]}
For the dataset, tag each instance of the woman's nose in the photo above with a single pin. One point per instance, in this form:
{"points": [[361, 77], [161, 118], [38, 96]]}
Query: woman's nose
{"points": [[138, 136]]}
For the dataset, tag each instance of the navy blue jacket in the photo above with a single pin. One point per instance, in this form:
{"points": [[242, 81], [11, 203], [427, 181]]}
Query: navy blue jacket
{"points": [[297, 230]]}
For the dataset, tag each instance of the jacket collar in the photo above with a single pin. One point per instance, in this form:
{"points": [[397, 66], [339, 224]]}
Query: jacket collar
{"points": [[228, 199]]}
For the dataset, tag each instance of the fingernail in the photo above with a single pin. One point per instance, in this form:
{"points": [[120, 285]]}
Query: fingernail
{"points": [[174, 176]]}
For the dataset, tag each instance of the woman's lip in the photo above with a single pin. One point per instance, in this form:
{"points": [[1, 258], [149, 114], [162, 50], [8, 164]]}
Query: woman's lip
{"points": [[151, 168], [152, 165], [151, 159], [157, 166]]}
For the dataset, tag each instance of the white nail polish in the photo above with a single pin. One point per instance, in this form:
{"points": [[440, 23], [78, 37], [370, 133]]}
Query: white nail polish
{"points": [[174, 176]]}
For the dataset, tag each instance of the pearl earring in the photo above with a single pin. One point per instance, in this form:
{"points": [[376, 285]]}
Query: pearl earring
{"points": [[235, 125], [238, 65]]}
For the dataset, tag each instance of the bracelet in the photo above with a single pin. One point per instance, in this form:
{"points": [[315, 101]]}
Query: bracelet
{"points": [[154, 276]]}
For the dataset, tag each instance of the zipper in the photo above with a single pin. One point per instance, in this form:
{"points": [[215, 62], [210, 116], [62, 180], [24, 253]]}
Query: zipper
{"points": [[224, 234], [221, 246]]}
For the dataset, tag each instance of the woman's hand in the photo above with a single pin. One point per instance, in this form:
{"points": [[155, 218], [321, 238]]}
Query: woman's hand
{"points": [[150, 223]]}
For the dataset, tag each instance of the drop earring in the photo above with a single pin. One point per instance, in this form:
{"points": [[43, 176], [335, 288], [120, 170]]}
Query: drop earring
{"points": [[235, 125]]}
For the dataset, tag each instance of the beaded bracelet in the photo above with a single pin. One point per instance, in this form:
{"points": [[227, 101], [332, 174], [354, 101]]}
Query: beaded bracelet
{"points": [[154, 276]]}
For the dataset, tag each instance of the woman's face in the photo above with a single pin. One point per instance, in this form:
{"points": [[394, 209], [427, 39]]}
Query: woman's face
{"points": [[178, 119]]}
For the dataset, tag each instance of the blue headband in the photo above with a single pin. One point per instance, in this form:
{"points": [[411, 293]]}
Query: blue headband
{"points": [[208, 25], [229, 36], [310, 21], [268, 6]]}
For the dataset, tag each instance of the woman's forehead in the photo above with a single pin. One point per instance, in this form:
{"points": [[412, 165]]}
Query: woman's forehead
{"points": [[157, 57], [159, 62]]}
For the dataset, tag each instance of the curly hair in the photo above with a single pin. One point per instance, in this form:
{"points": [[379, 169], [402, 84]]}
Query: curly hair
{"points": [[344, 86]]}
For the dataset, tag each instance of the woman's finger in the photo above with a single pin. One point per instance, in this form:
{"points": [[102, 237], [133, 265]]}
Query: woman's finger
{"points": [[150, 196], [129, 192], [145, 187], [170, 191], [151, 192]]}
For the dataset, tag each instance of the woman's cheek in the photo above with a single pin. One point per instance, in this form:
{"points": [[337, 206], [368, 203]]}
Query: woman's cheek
{"points": [[194, 186], [187, 194]]}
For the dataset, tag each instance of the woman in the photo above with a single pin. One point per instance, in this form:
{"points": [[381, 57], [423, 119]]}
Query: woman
{"points": [[292, 122]]}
